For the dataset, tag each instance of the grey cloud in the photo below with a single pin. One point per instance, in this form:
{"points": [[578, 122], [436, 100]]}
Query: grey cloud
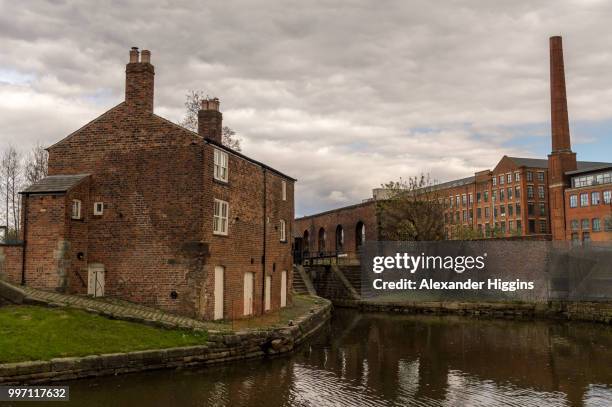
{"points": [[343, 95]]}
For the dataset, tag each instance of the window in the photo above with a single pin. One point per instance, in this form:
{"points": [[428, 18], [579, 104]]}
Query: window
{"points": [[98, 208], [464, 215], [573, 201], [574, 224], [509, 178], [510, 225], [495, 212], [531, 225], [542, 209], [501, 180], [283, 230], [502, 228], [586, 224], [509, 193], [502, 210], [584, 199], [540, 176], [220, 217], [510, 210], [541, 191], [543, 226], [586, 237], [457, 200], [450, 199], [463, 199], [594, 198], [76, 209], [478, 197], [517, 176], [339, 238], [494, 180], [284, 189], [487, 212], [529, 176], [220, 165], [519, 227], [517, 192], [486, 196], [470, 199], [360, 234], [518, 209], [529, 191], [607, 197], [530, 209], [596, 225], [494, 196], [501, 195], [608, 224], [479, 213]]}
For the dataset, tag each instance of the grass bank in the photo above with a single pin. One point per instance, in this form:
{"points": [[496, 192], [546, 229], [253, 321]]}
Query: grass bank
{"points": [[38, 333]]}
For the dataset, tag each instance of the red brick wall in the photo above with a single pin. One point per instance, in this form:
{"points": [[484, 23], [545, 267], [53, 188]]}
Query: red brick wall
{"points": [[600, 211], [47, 253], [348, 217], [241, 250], [155, 235], [10, 263]]}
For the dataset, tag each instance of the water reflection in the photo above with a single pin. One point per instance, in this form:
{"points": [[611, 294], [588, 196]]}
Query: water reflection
{"points": [[382, 360]]}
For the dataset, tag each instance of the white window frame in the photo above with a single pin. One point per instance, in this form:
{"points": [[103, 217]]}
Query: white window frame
{"points": [[95, 208], [221, 161], [283, 230], [220, 222], [76, 209], [284, 190]]}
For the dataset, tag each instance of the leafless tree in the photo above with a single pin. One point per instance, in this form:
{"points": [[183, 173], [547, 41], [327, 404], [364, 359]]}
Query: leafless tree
{"points": [[10, 168], [193, 101], [36, 165], [411, 210]]}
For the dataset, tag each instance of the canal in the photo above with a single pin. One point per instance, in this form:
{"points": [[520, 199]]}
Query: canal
{"points": [[393, 360]]}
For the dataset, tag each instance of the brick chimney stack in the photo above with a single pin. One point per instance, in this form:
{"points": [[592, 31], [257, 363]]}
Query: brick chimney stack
{"points": [[139, 81], [561, 159], [558, 98], [210, 120]]}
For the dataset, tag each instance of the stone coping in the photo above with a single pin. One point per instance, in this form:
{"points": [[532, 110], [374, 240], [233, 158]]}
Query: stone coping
{"points": [[221, 347], [600, 312]]}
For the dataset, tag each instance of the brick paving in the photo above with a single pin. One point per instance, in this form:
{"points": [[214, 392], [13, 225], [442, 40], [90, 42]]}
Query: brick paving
{"points": [[121, 309]]}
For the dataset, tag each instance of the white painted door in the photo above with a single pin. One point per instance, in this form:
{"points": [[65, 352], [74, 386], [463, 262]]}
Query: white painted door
{"points": [[268, 292], [219, 274], [248, 293], [95, 280], [283, 289]]}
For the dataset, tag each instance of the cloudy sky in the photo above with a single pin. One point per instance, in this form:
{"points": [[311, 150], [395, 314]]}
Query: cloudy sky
{"points": [[343, 95]]}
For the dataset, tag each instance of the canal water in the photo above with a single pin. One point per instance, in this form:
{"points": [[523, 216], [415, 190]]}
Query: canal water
{"points": [[393, 360]]}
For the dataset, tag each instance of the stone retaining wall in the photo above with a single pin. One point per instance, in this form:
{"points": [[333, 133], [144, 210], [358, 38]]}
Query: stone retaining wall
{"points": [[576, 311], [221, 347]]}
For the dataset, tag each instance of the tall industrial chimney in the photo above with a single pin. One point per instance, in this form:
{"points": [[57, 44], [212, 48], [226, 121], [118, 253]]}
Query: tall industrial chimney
{"points": [[561, 159]]}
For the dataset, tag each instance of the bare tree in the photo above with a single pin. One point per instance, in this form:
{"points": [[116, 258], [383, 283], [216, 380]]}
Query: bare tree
{"points": [[36, 165], [411, 210], [10, 168], [193, 101]]}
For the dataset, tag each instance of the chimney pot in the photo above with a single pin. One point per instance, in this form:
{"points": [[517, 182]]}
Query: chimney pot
{"points": [[134, 55], [210, 104], [145, 56]]}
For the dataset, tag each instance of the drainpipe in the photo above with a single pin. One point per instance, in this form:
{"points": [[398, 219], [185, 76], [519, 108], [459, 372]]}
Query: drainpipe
{"points": [[263, 258], [25, 241]]}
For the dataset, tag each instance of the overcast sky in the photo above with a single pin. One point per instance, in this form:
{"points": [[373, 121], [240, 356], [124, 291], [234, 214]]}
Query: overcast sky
{"points": [[343, 95]]}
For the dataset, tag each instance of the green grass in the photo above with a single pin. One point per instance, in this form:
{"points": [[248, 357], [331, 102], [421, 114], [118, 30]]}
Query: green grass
{"points": [[38, 333]]}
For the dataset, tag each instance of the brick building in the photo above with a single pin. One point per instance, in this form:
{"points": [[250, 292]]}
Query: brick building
{"points": [[140, 208], [522, 197]]}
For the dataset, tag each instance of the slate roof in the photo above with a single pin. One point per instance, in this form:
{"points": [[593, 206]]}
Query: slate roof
{"points": [[541, 163], [601, 166], [55, 183]]}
